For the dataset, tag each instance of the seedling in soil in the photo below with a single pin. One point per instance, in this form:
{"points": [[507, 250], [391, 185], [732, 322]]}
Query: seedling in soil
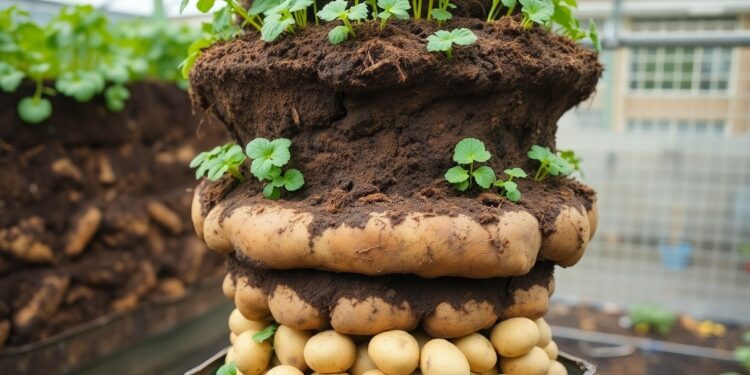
{"points": [[572, 159], [337, 10], [283, 17], [467, 152], [266, 334], [227, 369], [551, 164], [220, 160], [393, 8], [443, 41], [268, 158], [495, 11], [441, 13], [509, 187], [645, 318], [536, 11]]}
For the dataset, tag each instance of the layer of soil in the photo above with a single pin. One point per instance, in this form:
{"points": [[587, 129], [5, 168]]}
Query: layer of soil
{"points": [[94, 209], [323, 289], [642, 363], [374, 120]]}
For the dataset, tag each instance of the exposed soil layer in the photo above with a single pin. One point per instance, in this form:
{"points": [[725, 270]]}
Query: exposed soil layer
{"points": [[323, 289], [374, 120], [94, 209]]}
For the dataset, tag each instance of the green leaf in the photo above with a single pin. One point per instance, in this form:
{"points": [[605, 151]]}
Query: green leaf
{"points": [[510, 186], [34, 110], [457, 174], [277, 181], [397, 8], [281, 142], [204, 6], [81, 85], [280, 156], [273, 25], [261, 6], [222, 19], [338, 34], [216, 171], [440, 41], [259, 148], [513, 195], [115, 97], [260, 168], [539, 153], [293, 180], [594, 36], [227, 369], [271, 192], [333, 10], [462, 186], [265, 334], [198, 159], [441, 15], [298, 5], [469, 150], [509, 3], [358, 12], [515, 172], [484, 176], [183, 5], [10, 77], [539, 11], [463, 37]]}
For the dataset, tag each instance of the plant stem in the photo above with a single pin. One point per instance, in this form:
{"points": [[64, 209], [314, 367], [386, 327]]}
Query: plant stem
{"points": [[449, 53], [234, 171], [38, 89], [538, 172], [490, 16], [349, 26], [419, 7], [471, 168], [374, 8], [315, 10], [414, 9], [382, 23], [429, 10], [510, 10], [243, 13]]}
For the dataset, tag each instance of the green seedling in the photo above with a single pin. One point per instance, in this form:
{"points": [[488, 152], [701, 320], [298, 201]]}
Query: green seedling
{"points": [[337, 10], [284, 17], [220, 160], [495, 10], [550, 164], [536, 11], [227, 369], [443, 41], [467, 152], [268, 158], [441, 13], [266, 334], [572, 159], [393, 8], [509, 187], [647, 317]]}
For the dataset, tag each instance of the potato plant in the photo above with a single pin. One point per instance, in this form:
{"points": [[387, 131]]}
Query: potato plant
{"points": [[267, 159], [550, 164], [220, 160], [338, 10], [468, 152], [508, 187], [85, 55], [443, 41]]}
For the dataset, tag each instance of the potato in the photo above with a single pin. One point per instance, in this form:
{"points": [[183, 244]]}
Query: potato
{"points": [[545, 333], [374, 372], [535, 362], [450, 322], [394, 352], [514, 337], [492, 371], [478, 351], [440, 357], [228, 287], [251, 357], [289, 345], [232, 337], [289, 309], [285, 370], [363, 363], [557, 368], [551, 350], [330, 351], [251, 301], [593, 215], [421, 244], [568, 242], [238, 323], [371, 316], [531, 303], [230, 355]]}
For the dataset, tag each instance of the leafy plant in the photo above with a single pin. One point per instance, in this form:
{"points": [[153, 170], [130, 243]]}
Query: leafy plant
{"points": [[266, 334], [494, 10], [536, 11], [571, 158], [648, 317], [550, 164], [337, 10], [393, 8], [218, 161], [227, 369], [443, 41], [467, 152], [268, 158], [509, 187]]}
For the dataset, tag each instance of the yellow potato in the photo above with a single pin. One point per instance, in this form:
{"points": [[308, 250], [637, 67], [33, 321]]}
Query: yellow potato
{"points": [[492, 371], [545, 332], [285, 370], [251, 357], [567, 243], [478, 351], [238, 323], [535, 362], [232, 337], [251, 301], [371, 316], [557, 368], [230, 356], [289, 309], [329, 352], [440, 357], [514, 337], [450, 322], [374, 372], [394, 352], [289, 345], [363, 363], [593, 215], [228, 287], [551, 350]]}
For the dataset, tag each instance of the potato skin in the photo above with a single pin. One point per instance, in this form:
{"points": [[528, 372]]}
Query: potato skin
{"points": [[330, 352], [535, 362], [289, 309], [440, 357], [371, 316], [289, 345], [551, 350], [449, 322], [545, 332], [251, 357], [557, 368], [394, 352], [238, 323], [478, 351], [593, 215], [532, 303], [363, 363], [515, 337], [227, 287], [422, 244], [374, 372], [284, 370], [251, 301], [568, 242]]}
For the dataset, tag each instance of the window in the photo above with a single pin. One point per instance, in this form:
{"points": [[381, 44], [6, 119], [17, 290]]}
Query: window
{"points": [[674, 126], [681, 69]]}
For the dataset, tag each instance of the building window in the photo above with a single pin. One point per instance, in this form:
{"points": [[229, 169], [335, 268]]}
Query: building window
{"points": [[681, 69], [675, 126]]}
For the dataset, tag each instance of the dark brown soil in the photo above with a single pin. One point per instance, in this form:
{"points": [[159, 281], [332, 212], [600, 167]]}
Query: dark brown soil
{"points": [[323, 289], [53, 172], [374, 120]]}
